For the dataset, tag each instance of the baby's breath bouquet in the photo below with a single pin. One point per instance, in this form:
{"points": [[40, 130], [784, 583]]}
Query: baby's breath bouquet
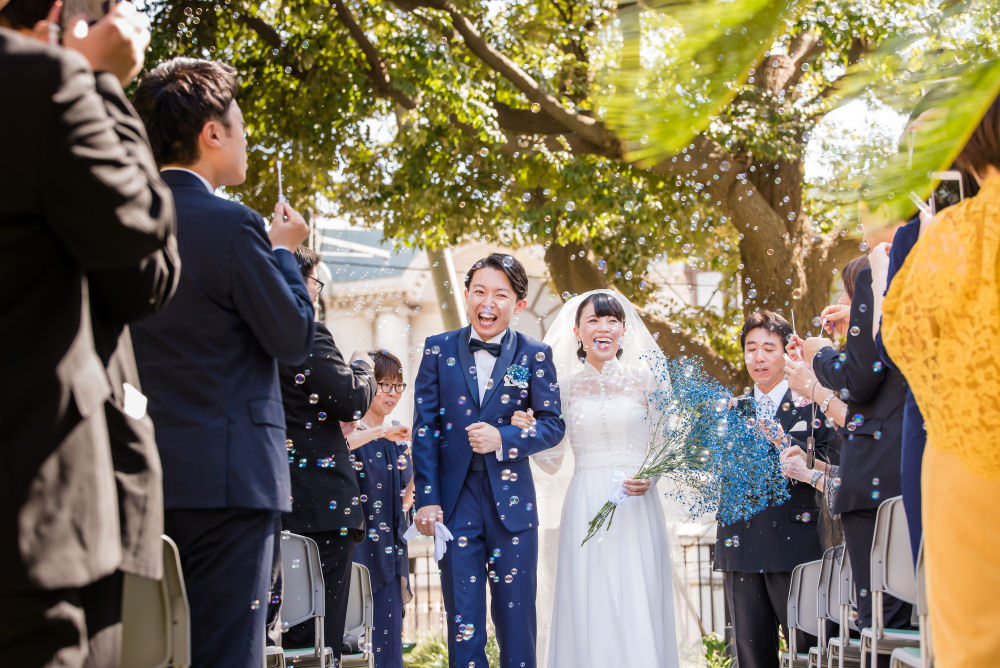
{"points": [[703, 442]]}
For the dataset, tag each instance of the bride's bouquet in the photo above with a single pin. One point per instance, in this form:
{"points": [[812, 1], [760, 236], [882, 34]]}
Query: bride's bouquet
{"points": [[703, 442]]}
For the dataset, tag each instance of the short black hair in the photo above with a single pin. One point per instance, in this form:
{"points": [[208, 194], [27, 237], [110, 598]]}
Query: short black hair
{"points": [[177, 98], [24, 14], [307, 259], [983, 147], [604, 305], [509, 265], [387, 365], [768, 320]]}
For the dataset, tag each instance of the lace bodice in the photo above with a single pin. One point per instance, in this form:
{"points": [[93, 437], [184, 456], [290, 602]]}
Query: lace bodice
{"points": [[940, 324], [606, 413]]}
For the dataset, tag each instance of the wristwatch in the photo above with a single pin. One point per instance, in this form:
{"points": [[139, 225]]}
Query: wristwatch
{"points": [[815, 478], [826, 402]]}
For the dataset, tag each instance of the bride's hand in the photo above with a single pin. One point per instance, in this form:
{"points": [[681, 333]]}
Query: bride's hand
{"points": [[522, 419], [636, 487]]}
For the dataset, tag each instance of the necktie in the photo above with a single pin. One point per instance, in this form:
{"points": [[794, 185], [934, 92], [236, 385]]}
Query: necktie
{"points": [[491, 348], [766, 407]]}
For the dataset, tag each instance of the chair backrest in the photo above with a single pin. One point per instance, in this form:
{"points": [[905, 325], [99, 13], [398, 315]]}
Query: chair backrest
{"points": [[880, 542], [921, 584], [794, 587], [180, 611], [156, 626], [899, 578], [808, 595], [360, 602], [302, 595], [847, 596], [826, 578]]}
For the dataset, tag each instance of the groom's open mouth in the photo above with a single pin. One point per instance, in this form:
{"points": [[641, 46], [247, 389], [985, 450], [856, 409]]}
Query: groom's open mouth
{"points": [[603, 343], [487, 320]]}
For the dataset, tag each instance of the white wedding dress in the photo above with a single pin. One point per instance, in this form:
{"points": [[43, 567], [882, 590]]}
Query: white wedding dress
{"points": [[613, 598]]}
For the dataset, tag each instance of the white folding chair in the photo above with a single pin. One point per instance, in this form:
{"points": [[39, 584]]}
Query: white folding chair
{"points": [[824, 593], [892, 574], [360, 620], [156, 625], [802, 595], [303, 598], [922, 656], [844, 651]]}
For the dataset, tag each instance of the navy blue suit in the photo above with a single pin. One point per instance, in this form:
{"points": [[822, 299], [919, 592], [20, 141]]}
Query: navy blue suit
{"points": [[914, 437], [488, 505], [384, 474], [208, 362]]}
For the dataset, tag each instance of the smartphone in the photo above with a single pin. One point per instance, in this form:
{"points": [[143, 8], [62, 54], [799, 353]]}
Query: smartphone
{"points": [[92, 11]]}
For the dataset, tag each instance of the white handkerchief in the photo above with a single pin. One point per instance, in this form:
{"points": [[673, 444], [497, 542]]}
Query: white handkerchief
{"points": [[799, 426], [441, 538], [135, 402]]}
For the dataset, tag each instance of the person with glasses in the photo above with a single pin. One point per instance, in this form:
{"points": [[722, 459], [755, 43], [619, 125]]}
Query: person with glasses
{"points": [[317, 396], [382, 463]]}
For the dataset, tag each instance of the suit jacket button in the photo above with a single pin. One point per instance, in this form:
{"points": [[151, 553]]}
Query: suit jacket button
{"points": [[748, 524], [774, 524]]}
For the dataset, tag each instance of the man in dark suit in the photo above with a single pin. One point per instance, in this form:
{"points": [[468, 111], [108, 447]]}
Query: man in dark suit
{"points": [[85, 203], [208, 361], [757, 555], [471, 465], [318, 395], [871, 444]]}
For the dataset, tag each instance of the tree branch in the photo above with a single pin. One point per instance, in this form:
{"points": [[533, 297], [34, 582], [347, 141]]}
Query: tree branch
{"points": [[587, 128], [779, 72], [378, 72], [269, 35]]}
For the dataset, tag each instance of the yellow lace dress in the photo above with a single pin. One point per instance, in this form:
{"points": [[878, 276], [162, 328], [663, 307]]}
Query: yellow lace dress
{"points": [[941, 326]]}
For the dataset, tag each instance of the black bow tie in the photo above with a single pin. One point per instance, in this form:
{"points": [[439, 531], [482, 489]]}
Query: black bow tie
{"points": [[491, 348]]}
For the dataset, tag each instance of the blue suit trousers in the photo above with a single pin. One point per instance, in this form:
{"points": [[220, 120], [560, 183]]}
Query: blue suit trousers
{"points": [[482, 551]]}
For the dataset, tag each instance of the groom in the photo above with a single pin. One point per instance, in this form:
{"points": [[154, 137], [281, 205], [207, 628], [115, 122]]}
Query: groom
{"points": [[471, 465]]}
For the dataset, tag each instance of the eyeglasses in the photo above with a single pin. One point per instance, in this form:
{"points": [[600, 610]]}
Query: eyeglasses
{"points": [[386, 388], [320, 283]]}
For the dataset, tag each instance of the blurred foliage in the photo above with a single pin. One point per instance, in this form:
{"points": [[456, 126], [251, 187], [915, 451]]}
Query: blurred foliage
{"points": [[427, 151], [715, 651], [432, 652]]}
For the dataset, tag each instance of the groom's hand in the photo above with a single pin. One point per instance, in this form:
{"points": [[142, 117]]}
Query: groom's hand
{"points": [[426, 517], [484, 438]]}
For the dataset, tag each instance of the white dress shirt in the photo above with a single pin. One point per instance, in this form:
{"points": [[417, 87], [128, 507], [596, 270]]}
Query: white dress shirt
{"points": [[775, 396], [485, 364], [208, 186]]}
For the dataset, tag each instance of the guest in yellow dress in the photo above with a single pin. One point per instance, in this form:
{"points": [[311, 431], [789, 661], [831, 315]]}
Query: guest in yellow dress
{"points": [[941, 325]]}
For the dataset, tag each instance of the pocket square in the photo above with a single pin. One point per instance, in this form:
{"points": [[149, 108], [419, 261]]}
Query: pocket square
{"points": [[799, 426]]}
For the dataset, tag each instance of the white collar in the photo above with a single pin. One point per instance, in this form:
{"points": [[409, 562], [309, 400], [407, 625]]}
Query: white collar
{"points": [[776, 394], [496, 339], [208, 186]]}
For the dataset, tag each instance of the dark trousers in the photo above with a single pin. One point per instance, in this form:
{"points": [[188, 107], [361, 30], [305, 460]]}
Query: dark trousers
{"points": [[387, 638], [910, 465], [63, 627], [859, 531], [335, 555], [226, 555], [758, 606], [483, 544]]}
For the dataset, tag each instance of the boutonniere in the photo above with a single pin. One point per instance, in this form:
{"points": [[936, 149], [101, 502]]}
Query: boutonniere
{"points": [[517, 376]]}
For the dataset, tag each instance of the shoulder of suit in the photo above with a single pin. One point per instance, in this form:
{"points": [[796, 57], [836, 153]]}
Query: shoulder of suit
{"points": [[529, 341], [444, 337], [42, 67]]}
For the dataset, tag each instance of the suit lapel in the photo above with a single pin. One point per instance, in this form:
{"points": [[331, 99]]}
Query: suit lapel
{"points": [[500, 369], [467, 360]]}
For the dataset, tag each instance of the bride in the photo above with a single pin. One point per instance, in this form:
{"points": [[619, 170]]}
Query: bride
{"points": [[613, 600]]}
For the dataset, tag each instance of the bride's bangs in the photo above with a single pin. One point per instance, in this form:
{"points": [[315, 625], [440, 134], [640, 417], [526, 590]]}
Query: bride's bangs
{"points": [[604, 305]]}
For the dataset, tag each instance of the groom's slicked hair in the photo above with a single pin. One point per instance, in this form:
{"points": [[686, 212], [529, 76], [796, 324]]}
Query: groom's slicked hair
{"points": [[768, 320], [509, 265], [177, 98]]}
